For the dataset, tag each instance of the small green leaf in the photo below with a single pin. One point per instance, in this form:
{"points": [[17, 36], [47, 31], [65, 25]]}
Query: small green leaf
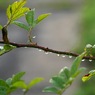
{"points": [[65, 73], [6, 48], [34, 82], [20, 24], [76, 64], [9, 12], [3, 83], [41, 17], [79, 71], [11, 89], [9, 81], [30, 17], [51, 89], [20, 84], [16, 10], [58, 81], [88, 76], [92, 72], [3, 90], [17, 77], [1, 27], [20, 13]]}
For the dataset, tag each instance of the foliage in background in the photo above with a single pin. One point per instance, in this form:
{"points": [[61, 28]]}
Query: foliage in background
{"points": [[87, 28], [87, 36], [65, 77], [15, 82]]}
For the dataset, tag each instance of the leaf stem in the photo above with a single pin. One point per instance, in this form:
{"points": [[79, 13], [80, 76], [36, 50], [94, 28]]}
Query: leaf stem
{"points": [[5, 35], [29, 35]]}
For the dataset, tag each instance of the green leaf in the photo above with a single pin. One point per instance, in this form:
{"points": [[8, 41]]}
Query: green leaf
{"points": [[16, 10], [79, 71], [76, 64], [65, 73], [1, 27], [20, 13], [34, 82], [17, 77], [88, 76], [58, 81], [11, 89], [6, 48], [9, 81], [92, 72], [20, 24], [9, 12], [20, 84], [51, 89], [3, 83], [41, 17], [30, 17], [3, 90]]}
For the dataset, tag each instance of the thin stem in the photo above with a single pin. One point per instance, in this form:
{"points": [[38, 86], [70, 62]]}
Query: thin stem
{"points": [[29, 35], [24, 93], [5, 35]]}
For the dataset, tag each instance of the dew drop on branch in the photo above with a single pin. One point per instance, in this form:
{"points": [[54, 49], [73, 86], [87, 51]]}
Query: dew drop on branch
{"points": [[63, 56], [34, 37], [46, 52], [40, 50], [1, 47], [70, 56], [83, 60], [90, 60], [58, 54]]}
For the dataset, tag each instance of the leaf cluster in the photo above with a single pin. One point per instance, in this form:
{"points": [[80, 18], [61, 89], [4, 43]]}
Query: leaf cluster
{"points": [[15, 82], [30, 19], [65, 77], [6, 48], [14, 12]]}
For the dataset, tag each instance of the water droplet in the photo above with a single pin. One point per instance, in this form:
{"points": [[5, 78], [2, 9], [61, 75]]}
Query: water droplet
{"points": [[46, 52], [24, 90], [1, 47], [90, 60], [93, 46], [63, 56], [25, 47], [83, 60], [58, 54], [34, 37], [40, 50], [70, 56]]}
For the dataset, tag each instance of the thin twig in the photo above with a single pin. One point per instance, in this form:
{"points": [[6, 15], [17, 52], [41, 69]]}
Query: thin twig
{"points": [[46, 49]]}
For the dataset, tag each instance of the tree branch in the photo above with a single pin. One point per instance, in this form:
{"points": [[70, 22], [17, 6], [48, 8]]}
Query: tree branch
{"points": [[46, 49]]}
